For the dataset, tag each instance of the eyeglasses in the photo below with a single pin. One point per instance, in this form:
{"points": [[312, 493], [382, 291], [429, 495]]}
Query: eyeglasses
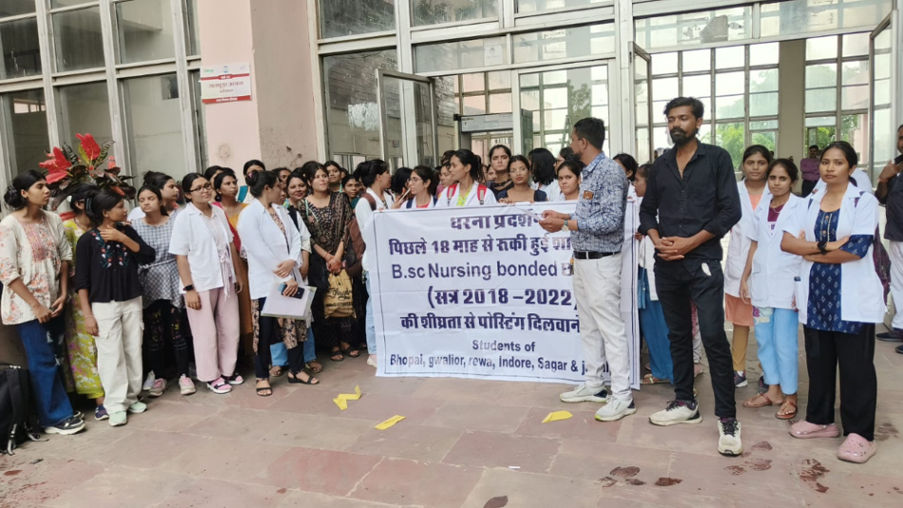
{"points": [[206, 186]]}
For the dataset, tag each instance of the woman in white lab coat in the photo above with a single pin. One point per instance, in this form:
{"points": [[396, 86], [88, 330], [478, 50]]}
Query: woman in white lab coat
{"points": [[466, 190], [766, 284], [753, 192], [274, 248], [840, 298]]}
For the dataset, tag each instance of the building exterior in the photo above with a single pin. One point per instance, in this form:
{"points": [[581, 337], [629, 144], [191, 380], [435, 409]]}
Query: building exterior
{"points": [[408, 79]]}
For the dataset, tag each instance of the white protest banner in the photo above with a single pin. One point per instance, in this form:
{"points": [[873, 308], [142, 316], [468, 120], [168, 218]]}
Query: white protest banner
{"points": [[484, 292]]}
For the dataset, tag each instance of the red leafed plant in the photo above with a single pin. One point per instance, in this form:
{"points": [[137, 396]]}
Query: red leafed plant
{"points": [[67, 167]]}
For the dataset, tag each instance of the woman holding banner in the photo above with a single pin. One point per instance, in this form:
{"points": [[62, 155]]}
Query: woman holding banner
{"points": [[464, 170]]}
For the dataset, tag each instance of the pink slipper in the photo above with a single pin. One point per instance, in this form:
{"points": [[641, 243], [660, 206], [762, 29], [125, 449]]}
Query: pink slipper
{"points": [[856, 448], [805, 430]]}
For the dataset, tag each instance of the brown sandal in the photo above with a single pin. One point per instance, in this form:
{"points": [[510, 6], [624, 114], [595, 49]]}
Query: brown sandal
{"points": [[760, 400], [314, 366], [783, 414], [649, 379]]}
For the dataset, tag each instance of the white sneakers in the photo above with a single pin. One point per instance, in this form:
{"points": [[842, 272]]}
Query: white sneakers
{"points": [[676, 412], [584, 393], [615, 410], [729, 443]]}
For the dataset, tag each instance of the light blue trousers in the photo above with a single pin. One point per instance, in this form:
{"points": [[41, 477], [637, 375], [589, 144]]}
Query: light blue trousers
{"points": [[369, 322], [777, 336]]}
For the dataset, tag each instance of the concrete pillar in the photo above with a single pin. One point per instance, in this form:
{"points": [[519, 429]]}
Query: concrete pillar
{"points": [[791, 112], [277, 124]]}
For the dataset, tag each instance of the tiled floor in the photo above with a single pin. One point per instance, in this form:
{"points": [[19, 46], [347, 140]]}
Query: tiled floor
{"points": [[463, 443]]}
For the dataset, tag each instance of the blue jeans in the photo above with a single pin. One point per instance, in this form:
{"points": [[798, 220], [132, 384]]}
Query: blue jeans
{"points": [[279, 354], [370, 324], [52, 401], [655, 332], [310, 348], [777, 336]]}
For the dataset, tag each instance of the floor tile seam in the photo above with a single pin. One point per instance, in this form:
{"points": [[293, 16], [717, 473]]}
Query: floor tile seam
{"points": [[363, 477]]}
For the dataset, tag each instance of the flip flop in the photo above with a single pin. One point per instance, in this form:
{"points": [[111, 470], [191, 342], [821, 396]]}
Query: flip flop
{"points": [[760, 400], [783, 414]]}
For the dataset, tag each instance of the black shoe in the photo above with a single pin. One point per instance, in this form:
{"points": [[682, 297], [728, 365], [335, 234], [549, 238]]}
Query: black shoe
{"points": [[894, 335], [899, 349]]}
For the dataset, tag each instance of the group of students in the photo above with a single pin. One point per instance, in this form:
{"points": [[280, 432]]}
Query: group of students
{"points": [[187, 274]]}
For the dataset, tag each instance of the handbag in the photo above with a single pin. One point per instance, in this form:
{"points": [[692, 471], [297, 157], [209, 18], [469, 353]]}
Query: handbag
{"points": [[18, 418], [338, 302]]}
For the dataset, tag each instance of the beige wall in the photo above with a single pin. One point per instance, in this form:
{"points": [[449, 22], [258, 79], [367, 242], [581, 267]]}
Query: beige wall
{"points": [[277, 124], [792, 86]]}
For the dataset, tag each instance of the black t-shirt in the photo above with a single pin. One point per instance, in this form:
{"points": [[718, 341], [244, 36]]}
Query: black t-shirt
{"points": [[109, 270]]}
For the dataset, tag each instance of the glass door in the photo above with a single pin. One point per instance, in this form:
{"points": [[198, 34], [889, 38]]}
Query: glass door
{"points": [[554, 98], [408, 131], [642, 96], [884, 81]]}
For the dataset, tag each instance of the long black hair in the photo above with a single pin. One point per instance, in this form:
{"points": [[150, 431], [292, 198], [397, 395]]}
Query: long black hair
{"points": [[156, 179], [367, 171], [79, 194], [99, 202], [629, 163], [542, 162], [218, 180], [252, 162], [259, 180], [22, 182], [849, 153], [476, 164], [426, 173]]}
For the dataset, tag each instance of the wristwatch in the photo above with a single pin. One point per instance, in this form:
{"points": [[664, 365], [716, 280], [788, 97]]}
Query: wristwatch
{"points": [[564, 226], [822, 246], [188, 288]]}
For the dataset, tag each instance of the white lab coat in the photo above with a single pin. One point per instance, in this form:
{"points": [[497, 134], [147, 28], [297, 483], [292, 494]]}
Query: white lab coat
{"points": [[773, 270], [191, 237], [267, 246], [863, 182], [473, 198], [861, 292], [738, 248], [364, 216]]}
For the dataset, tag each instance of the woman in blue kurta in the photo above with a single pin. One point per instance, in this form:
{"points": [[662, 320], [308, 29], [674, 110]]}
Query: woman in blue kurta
{"points": [[840, 298]]}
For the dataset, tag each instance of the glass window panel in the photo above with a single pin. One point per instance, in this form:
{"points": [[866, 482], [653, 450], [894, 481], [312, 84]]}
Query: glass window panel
{"points": [[474, 105], [854, 129], [500, 103], [731, 137], [732, 106], [68, 3], [528, 6], [555, 97], [19, 43], [529, 80], [664, 89], [28, 129], [764, 54], [555, 77], [824, 99], [763, 80], [698, 60], [77, 39], [460, 54], [352, 17], [763, 104], [702, 27], [856, 44], [499, 80], [154, 122], [529, 99], [855, 72], [726, 58], [445, 11], [821, 48], [352, 114], [660, 137], [84, 108], [729, 83], [16, 7], [855, 97], [697, 86], [809, 16], [581, 41], [767, 139], [194, 45], [474, 82], [820, 121], [556, 119], [705, 133], [664, 63], [199, 122], [821, 75], [145, 30], [759, 125]]}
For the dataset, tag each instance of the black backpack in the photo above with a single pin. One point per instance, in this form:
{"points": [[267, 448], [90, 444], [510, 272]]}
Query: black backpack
{"points": [[18, 420]]}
